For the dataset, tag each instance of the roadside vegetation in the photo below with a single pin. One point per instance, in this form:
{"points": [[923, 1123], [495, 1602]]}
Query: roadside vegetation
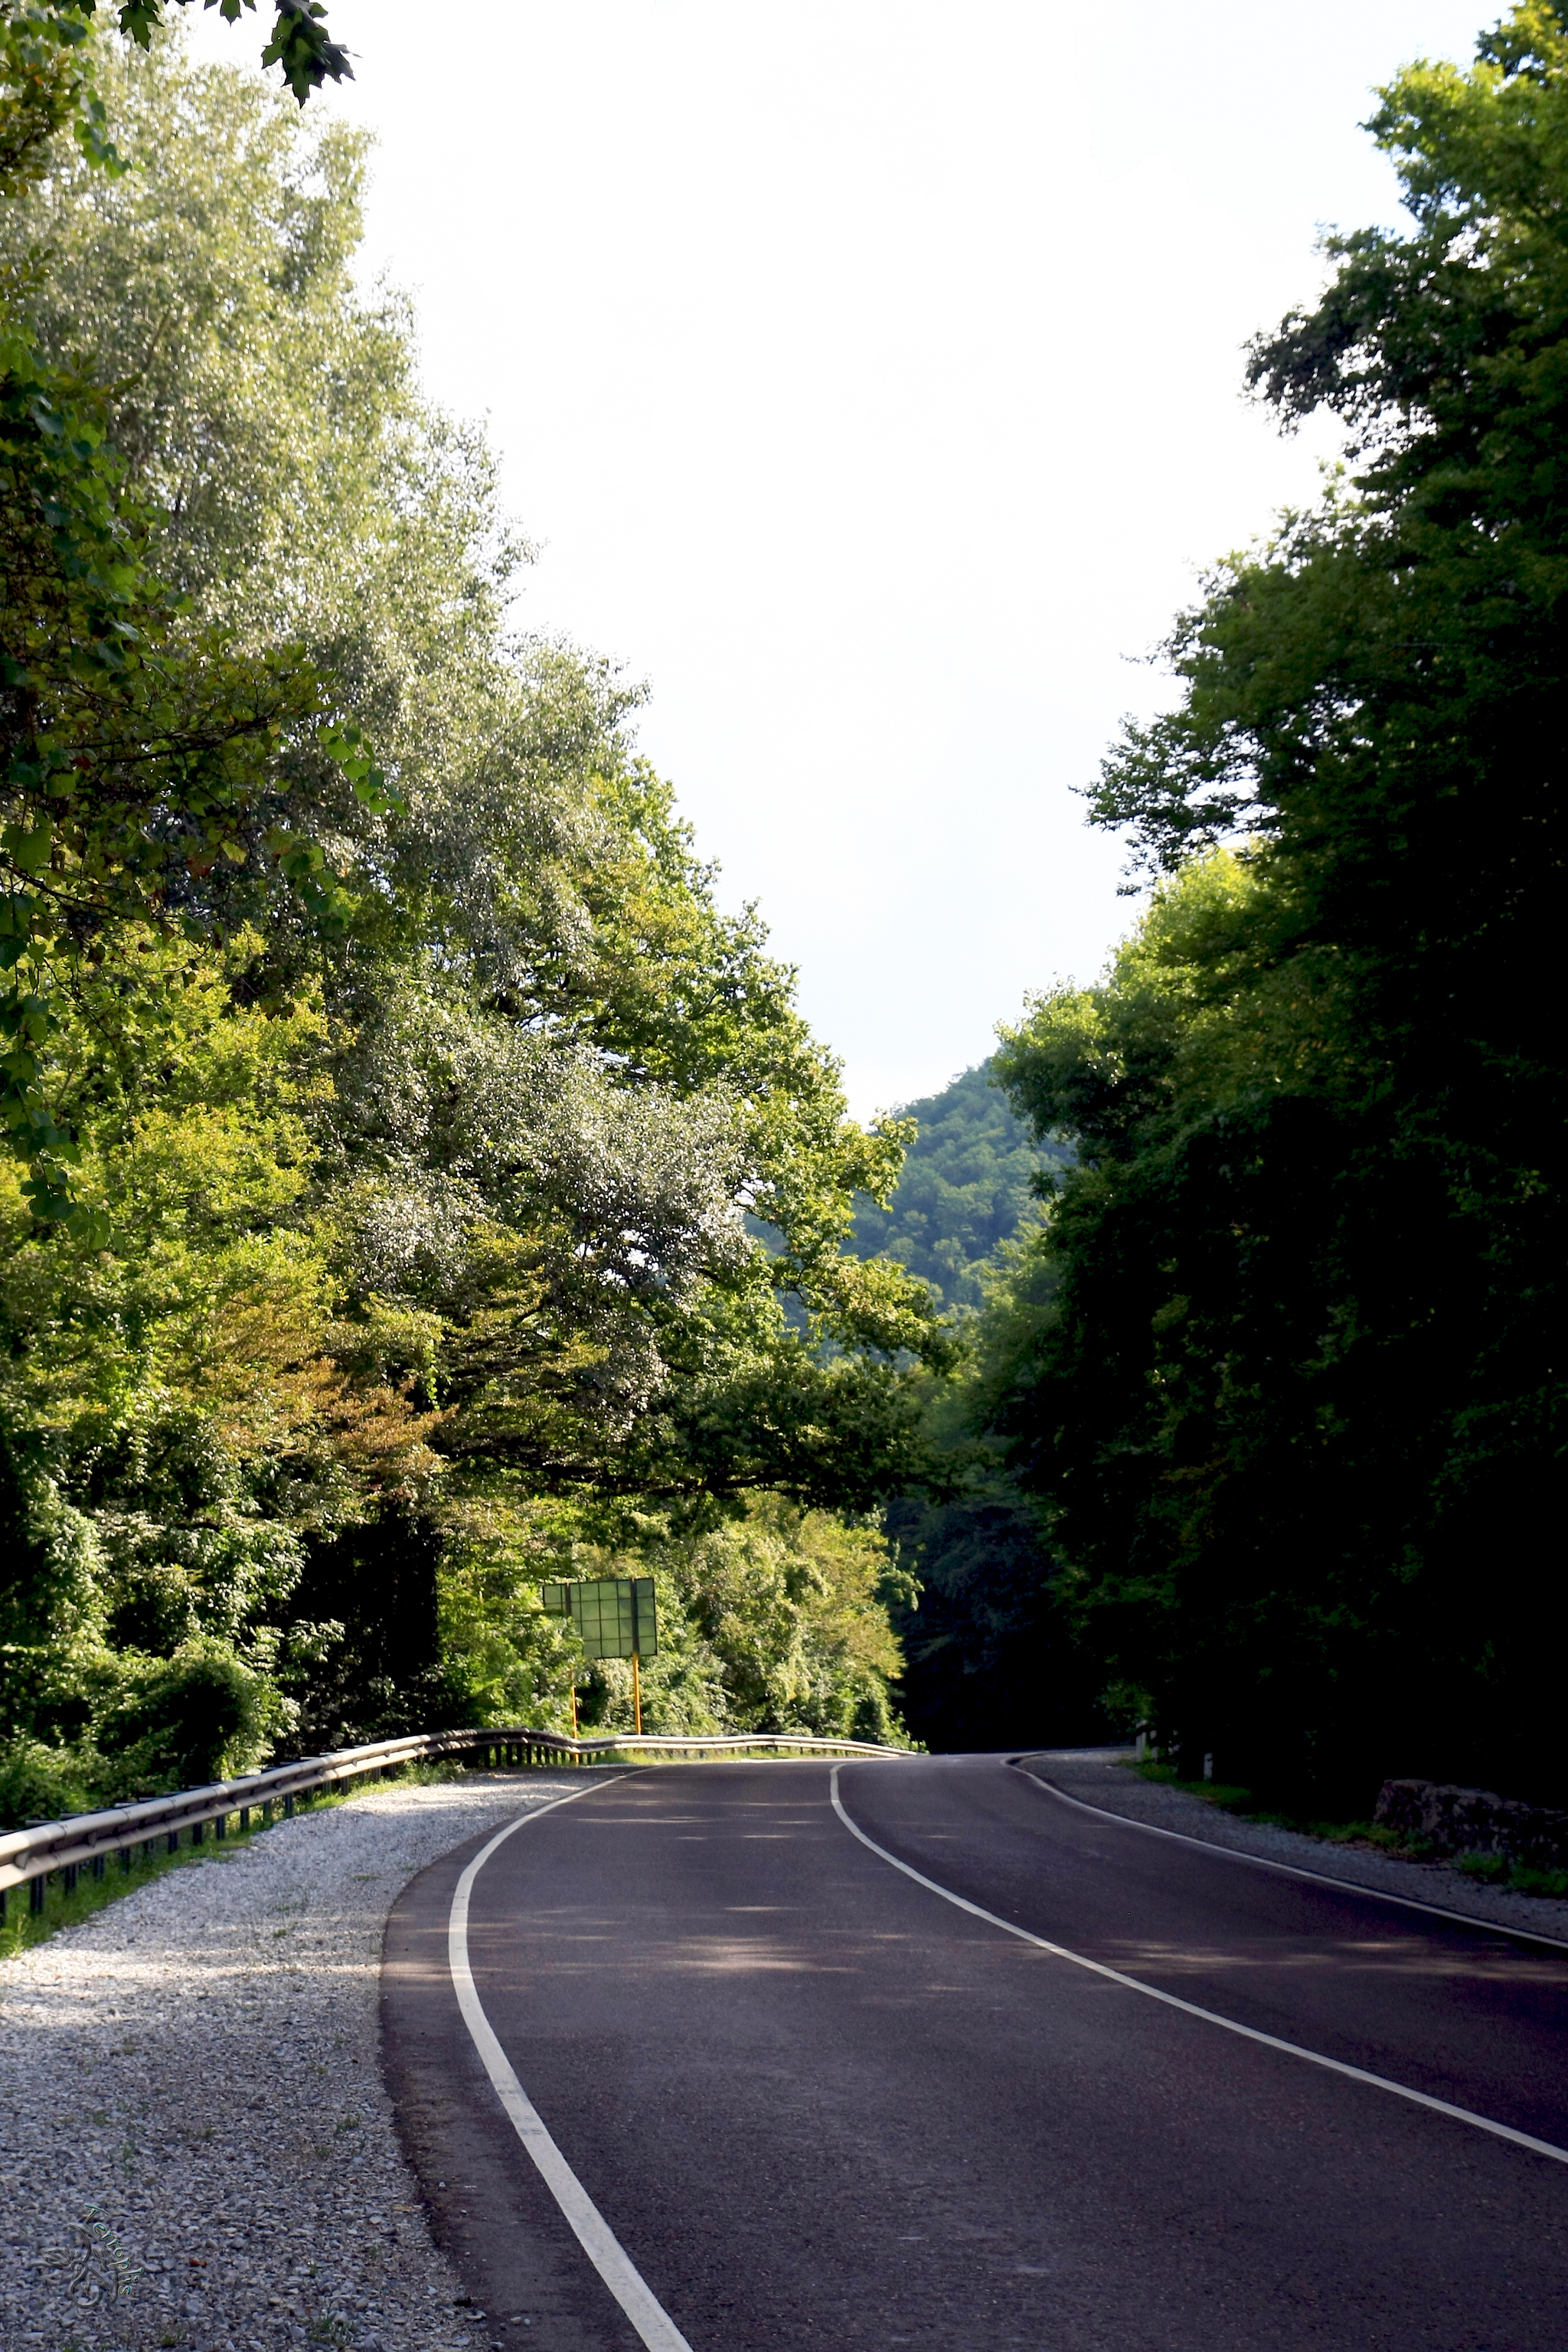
{"points": [[388, 1093], [418, 1186], [1490, 1868], [1274, 1384]]}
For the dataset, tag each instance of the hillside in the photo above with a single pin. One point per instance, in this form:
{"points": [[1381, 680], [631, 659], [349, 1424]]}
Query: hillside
{"points": [[965, 1184]]}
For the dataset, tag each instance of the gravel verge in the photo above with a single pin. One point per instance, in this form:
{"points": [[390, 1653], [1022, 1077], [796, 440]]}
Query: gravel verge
{"points": [[196, 2149], [1100, 1776]]}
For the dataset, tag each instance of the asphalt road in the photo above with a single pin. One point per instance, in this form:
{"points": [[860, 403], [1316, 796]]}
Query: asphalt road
{"points": [[825, 2110]]}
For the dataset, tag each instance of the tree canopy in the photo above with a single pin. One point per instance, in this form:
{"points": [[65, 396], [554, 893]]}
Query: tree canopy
{"points": [[420, 1182], [1293, 1393], [402, 1087]]}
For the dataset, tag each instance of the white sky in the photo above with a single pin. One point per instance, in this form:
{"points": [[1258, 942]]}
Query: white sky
{"points": [[870, 372]]}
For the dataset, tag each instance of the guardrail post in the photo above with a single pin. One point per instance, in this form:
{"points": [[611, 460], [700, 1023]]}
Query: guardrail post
{"points": [[173, 1841], [198, 1832], [99, 1861], [35, 1887], [289, 1809], [220, 1827]]}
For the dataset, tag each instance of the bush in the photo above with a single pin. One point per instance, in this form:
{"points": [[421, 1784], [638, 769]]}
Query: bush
{"points": [[174, 1723], [40, 1784]]}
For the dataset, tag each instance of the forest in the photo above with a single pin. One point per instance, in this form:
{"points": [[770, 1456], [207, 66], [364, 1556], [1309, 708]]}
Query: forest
{"points": [[386, 1095], [1276, 1370], [417, 1187]]}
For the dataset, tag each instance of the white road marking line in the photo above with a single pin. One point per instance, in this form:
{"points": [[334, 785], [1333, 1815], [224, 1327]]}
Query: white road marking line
{"points": [[1290, 1869], [595, 2235], [1190, 2009]]}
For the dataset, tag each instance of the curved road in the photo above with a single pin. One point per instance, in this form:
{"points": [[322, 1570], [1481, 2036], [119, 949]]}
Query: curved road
{"points": [[824, 2109]]}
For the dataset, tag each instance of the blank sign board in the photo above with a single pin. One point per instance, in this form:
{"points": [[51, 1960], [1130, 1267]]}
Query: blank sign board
{"points": [[613, 1615]]}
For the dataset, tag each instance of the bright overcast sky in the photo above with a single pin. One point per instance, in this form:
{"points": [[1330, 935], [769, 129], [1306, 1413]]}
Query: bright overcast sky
{"points": [[868, 372]]}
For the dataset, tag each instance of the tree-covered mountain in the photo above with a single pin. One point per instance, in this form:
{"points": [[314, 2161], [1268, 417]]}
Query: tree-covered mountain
{"points": [[964, 1187], [984, 1621]]}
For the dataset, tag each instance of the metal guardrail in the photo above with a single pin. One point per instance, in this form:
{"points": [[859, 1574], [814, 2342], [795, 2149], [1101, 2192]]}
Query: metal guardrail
{"points": [[30, 1856]]}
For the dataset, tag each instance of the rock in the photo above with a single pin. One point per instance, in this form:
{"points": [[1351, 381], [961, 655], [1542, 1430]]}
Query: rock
{"points": [[1474, 1821]]}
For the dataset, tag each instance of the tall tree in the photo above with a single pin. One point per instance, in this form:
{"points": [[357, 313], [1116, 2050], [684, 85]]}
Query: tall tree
{"points": [[1301, 1400], [134, 747], [418, 1127]]}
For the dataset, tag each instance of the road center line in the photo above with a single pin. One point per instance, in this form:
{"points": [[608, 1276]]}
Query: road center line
{"points": [[1190, 2009], [595, 2235]]}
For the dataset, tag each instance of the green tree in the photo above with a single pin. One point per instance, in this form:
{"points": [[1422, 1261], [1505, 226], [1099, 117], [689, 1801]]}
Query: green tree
{"points": [[416, 1206], [1299, 1402], [136, 751]]}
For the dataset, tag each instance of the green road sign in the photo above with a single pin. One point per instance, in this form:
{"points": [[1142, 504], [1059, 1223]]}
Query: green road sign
{"points": [[613, 1615]]}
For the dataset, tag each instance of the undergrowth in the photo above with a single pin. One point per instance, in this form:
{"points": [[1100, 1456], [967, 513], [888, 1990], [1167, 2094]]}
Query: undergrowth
{"points": [[1492, 1869]]}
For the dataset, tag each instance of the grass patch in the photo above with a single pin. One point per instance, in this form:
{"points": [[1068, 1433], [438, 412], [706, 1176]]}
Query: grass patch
{"points": [[1519, 1877], [1490, 1869], [1553, 1883], [1233, 1798], [1223, 1794]]}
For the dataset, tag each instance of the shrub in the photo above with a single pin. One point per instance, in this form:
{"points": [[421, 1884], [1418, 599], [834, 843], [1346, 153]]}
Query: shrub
{"points": [[39, 1783], [174, 1723]]}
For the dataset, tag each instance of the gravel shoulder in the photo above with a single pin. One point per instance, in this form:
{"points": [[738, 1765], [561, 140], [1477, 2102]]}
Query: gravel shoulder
{"points": [[196, 2148], [1101, 1776]]}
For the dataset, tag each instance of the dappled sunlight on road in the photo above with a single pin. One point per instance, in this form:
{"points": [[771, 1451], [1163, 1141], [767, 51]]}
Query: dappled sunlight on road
{"points": [[1406, 1957]]}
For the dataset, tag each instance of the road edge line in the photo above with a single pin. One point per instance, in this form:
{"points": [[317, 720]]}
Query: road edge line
{"points": [[1191, 2009], [593, 2235], [1290, 1869]]}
